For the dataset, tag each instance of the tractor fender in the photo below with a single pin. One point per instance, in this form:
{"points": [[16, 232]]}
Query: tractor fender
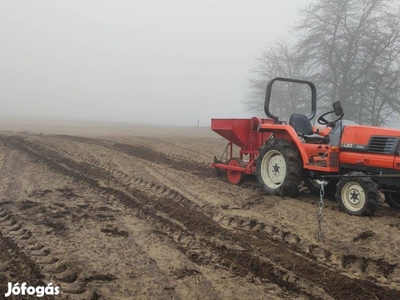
{"points": [[286, 132]]}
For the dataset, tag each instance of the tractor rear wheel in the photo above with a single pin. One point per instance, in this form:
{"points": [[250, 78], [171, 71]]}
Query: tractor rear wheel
{"points": [[393, 199], [357, 196], [278, 168]]}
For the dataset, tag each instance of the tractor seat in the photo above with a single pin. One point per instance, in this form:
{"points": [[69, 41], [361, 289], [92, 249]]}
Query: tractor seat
{"points": [[303, 127]]}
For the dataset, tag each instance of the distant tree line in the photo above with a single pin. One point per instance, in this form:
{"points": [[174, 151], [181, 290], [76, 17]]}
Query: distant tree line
{"points": [[350, 49]]}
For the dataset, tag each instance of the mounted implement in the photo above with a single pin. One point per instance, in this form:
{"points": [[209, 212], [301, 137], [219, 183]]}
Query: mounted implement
{"points": [[243, 133], [353, 161]]}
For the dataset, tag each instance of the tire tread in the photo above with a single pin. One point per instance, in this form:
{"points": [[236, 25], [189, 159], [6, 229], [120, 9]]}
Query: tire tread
{"points": [[293, 165]]}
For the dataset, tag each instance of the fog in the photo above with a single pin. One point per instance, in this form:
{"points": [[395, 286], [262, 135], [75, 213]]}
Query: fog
{"points": [[158, 62]]}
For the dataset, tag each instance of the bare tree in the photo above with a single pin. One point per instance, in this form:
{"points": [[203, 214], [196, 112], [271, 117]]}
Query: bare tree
{"points": [[280, 61], [354, 47], [351, 50]]}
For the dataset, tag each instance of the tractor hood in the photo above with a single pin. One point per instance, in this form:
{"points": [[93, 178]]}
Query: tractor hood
{"points": [[370, 139]]}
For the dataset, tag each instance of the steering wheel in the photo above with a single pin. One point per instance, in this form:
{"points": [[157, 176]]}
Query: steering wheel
{"points": [[321, 120]]}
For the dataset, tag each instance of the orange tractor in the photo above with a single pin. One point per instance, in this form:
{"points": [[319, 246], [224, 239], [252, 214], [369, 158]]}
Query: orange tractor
{"points": [[352, 161]]}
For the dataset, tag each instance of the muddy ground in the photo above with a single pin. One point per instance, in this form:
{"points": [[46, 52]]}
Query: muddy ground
{"points": [[135, 212]]}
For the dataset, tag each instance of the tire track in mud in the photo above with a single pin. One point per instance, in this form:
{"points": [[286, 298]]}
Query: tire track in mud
{"points": [[174, 161], [347, 263], [173, 229], [238, 250], [54, 268], [41, 257], [177, 162], [181, 163], [57, 226], [15, 265], [362, 265]]}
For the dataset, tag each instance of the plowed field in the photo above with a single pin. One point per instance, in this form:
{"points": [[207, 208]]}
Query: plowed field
{"points": [[140, 215]]}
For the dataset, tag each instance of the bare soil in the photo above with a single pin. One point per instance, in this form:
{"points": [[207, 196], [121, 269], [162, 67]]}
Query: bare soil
{"points": [[137, 213]]}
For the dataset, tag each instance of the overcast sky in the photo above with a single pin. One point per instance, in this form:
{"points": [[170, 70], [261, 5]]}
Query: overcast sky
{"points": [[163, 62]]}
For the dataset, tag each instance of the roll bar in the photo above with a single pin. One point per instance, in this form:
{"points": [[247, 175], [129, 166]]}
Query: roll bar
{"points": [[313, 96]]}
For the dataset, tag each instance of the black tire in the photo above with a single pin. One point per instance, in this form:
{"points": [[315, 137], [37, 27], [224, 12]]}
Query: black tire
{"points": [[393, 199], [314, 187], [358, 196], [287, 160]]}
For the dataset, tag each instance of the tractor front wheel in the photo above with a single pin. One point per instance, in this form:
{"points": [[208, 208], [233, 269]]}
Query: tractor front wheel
{"points": [[278, 168], [357, 196]]}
